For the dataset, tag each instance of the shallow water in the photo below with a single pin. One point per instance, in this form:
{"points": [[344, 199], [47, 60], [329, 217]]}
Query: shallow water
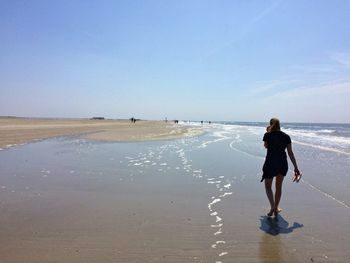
{"points": [[187, 200], [324, 163]]}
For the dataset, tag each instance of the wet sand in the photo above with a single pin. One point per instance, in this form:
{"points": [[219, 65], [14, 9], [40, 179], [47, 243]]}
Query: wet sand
{"points": [[80, 201], [126, 222], [190, 200], [15, 131]]}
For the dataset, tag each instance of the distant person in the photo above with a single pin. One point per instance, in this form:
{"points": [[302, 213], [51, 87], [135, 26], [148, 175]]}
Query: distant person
{"points": [[276, 164]]}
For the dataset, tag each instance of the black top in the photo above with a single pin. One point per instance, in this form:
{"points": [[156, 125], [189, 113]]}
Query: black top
{"points": [[277, 142], [276, 157]]}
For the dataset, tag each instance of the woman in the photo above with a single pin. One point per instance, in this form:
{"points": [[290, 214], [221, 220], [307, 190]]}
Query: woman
{"points": [[276, 164]]}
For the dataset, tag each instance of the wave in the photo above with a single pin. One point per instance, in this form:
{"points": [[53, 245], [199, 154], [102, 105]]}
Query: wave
{"points": [[316, 136], [330, 149], [324, 141], [327, 137], [319, 128], [327, 131]]}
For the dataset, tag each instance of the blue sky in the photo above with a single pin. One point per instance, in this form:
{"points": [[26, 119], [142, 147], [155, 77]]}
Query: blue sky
{"points": [[188, 60]]}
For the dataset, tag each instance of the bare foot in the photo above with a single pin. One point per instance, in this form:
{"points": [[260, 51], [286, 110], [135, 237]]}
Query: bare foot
{"points": [[269, 214], [277, 211]]}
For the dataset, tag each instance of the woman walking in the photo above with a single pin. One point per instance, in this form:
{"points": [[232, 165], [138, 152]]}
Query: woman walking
{"points": [[276, 164]]}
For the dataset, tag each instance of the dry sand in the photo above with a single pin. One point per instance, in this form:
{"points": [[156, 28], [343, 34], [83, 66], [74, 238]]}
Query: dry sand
{"points": [[14, 131]]}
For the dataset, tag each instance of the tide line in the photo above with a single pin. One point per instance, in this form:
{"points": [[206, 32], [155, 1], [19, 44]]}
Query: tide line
{"points": [[249, 154], [205, 144], [325, 194]]}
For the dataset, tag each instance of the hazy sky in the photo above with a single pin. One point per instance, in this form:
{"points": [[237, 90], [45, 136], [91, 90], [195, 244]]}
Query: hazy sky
{"points": [[200, 60]]}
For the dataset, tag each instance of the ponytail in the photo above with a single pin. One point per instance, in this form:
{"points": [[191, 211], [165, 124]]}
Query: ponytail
{"points": [[275, 125]]}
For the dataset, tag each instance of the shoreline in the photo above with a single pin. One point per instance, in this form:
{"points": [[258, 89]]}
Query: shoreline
{"points": [[17, 130], [187, 200]]}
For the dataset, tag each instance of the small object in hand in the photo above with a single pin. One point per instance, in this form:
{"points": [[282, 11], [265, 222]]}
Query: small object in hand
{"points": [[297, 176]]}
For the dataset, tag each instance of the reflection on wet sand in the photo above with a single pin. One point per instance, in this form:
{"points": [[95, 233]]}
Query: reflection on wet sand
{"points": [[272, 247]]}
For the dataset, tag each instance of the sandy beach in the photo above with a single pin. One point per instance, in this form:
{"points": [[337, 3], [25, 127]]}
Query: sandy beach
{"points": [[15, 131], [192, 199], [138, 131]]}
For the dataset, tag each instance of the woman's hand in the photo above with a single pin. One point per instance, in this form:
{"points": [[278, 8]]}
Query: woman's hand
{"points": [[297, 175]]}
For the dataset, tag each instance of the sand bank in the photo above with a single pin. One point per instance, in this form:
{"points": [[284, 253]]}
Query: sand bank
{"points": [[14, 131]]}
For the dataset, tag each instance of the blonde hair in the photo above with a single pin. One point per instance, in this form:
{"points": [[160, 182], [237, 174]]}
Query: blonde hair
{"points": [[275, 124]]}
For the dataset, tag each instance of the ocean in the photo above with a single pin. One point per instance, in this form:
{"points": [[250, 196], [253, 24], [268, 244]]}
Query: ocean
{"points": [[194, 199], [322, 151], [332, 137]]}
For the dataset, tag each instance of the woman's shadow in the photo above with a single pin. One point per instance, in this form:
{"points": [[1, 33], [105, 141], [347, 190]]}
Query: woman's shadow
{"points": [[277, 225]]}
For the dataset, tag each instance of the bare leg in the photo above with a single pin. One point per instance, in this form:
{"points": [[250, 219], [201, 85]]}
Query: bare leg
{"points": [[278, 193], [269, 193]]}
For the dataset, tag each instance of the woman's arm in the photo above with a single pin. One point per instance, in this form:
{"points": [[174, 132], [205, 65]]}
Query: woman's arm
{"points": [[297, 174]]}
